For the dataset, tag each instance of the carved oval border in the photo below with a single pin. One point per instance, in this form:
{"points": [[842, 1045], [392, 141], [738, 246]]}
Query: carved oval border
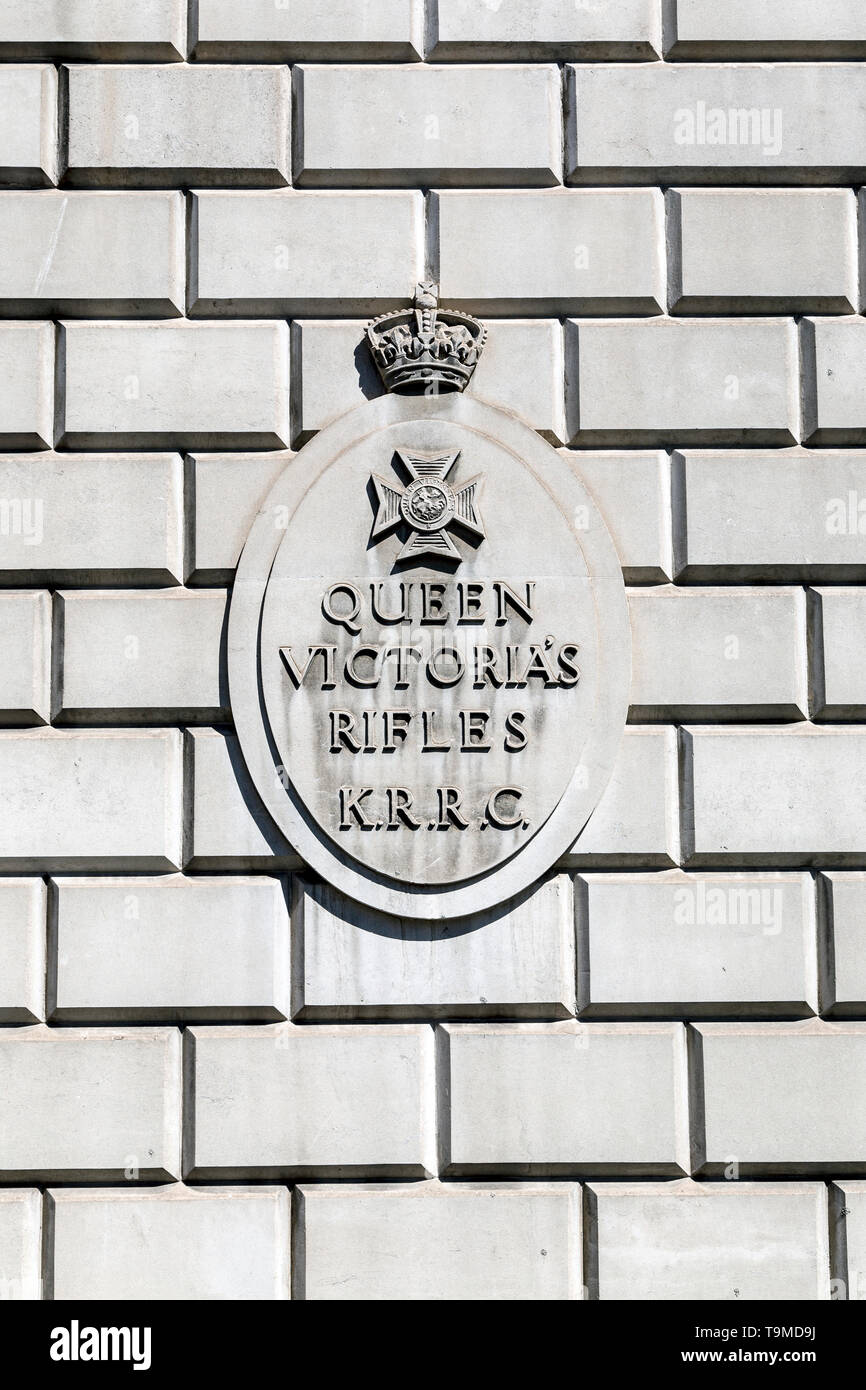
{"points": [[553, 840]]}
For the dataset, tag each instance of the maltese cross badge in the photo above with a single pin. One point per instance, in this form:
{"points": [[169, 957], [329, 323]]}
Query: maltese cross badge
{"points": [[429, 506]]}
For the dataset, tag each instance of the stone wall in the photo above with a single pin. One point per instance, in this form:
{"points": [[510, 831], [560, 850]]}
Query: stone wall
{"points": [[646, 1078]]}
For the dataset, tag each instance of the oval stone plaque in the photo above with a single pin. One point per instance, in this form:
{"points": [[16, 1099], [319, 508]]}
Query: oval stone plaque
{"points": [[429, 655]]}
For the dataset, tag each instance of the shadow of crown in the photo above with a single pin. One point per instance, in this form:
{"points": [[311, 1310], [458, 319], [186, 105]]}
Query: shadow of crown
{"points": [[426, 350]]}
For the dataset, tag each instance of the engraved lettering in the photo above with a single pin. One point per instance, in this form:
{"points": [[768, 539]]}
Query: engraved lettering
{"points": [[299, 673], [433, 603], [566, 658], [487, 668], [371, 678], [438, 661], [470, 596], [349, 618], [401, 678], [377, 608], [505, 595], [396, 722], [399, 809], [515, 732], [428, 725], [450, 813], [473, 731], [503, 810], [342, 731], [350, 806], [539, 666]]}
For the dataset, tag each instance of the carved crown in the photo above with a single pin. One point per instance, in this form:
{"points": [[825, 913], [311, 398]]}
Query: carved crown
{"points": [[425, 350]]}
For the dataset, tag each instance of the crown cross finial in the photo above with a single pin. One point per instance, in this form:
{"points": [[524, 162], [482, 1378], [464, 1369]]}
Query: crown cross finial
{"points": [[426, 350]]}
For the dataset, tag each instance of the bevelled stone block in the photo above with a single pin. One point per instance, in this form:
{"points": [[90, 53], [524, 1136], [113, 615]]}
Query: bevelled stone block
{"points": [[312, 29], [731, 1241], [437, 1241], [686, 945], [792, 123], [89, 1105], [107, 30], [91, 519], [179, 125], [392, 126], [172, 1243], [83, 253], [22, 950], [20, 1244], [282, 1101], [135, 657], [106, 799], [300, 253], [517, 960], [161, 384], [767, 1106], [170, 949], [29, 152], [565, 1098]]}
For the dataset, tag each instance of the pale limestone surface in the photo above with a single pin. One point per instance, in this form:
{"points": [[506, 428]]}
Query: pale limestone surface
{"points": [[173, 1242], [762, 794], [25, 639], [720, 1241], [852, 1197], [773, 249], [226, 490], [79, 1104], [633, 493], [160, 384], [170, 949], [847, 912], [174, 125], [637, 819], [749, 1070], [565, 1098], [20, 1244], [499, 124], [836, 351], [231, 829], [80, 253], [27, 393], [436, 1241], [99, 29], [655, 122], [349, 29], [546, 253], [776, 28], [778, 516], [516, 961], [718, 653], [841, 658], [95, 798], [546, 29], [690, 945], [91, 519], [23, 903], [294, 253], [28, 143], [285, 1101], [729, 380], [139, 657]]}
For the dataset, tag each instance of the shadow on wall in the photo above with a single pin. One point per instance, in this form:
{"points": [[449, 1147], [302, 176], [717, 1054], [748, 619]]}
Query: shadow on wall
{"points": [[368, 378]]}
